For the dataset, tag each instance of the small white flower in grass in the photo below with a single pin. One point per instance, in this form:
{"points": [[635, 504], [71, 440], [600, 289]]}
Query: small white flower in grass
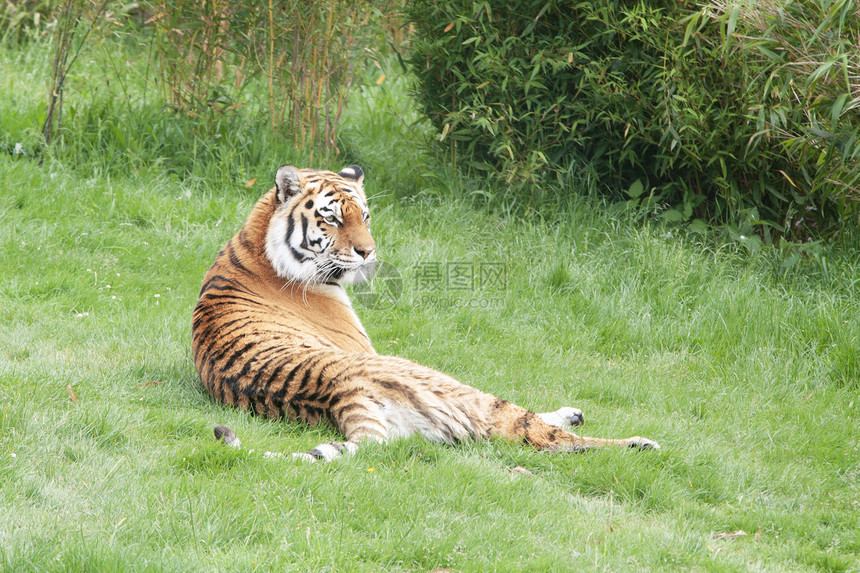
{"points": [[19, 149], [113, 297], [743, 238], [13, 455], [157, 296]]}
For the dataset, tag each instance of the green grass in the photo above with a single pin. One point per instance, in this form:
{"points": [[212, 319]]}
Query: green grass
{"points": [[743, 365]]}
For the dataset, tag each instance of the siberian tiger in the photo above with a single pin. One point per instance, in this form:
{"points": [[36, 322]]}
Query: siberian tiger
{"points": [[274, 332]]}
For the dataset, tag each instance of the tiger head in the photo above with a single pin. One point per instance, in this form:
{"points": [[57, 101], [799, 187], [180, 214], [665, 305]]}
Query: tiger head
{"points": [[319, 231]]}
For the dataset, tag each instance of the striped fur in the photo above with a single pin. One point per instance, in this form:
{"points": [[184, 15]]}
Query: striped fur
{"points": [[274, 332]]}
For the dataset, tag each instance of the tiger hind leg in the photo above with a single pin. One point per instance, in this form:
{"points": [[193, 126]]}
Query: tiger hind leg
{"points": [[360, 423], [326, 451]]}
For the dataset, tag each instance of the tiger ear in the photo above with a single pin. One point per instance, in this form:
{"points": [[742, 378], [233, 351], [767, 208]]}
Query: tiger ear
{"points": [[288, 182], [353, 172]]}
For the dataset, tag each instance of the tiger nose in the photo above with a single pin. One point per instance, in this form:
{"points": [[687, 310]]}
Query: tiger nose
{"points": [[363, 252]]}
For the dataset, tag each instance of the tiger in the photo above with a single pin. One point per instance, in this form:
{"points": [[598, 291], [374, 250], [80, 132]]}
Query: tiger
{"points": [[274, 332]]}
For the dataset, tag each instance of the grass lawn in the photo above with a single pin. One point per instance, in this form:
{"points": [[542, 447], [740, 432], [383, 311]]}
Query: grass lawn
{"points": [[743, 363]]}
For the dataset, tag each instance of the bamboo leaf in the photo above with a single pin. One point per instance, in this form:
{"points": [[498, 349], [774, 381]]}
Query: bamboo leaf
{"points": [[733, 22], [692, 25], [636, 189]]}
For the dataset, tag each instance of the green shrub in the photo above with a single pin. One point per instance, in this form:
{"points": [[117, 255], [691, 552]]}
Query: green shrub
{"points": [[801, 64], [656, 100]]}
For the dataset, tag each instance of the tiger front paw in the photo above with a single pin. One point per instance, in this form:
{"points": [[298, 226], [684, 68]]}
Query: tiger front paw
{"points": [[641, 443], [564, 418]]}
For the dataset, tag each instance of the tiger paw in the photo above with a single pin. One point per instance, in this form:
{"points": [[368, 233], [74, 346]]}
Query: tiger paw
{"points": [[641, 443], [228, 436], [327, 452], [563, 418]]}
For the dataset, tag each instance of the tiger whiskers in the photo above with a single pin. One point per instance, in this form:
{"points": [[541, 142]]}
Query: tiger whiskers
{"points": [[293, 282]]}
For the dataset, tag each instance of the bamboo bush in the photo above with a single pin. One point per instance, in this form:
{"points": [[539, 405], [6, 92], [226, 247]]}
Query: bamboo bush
{"points": [[208, 50], [807, 57], [74, 21], [308, 67], [192, 39], [735, 111]]}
